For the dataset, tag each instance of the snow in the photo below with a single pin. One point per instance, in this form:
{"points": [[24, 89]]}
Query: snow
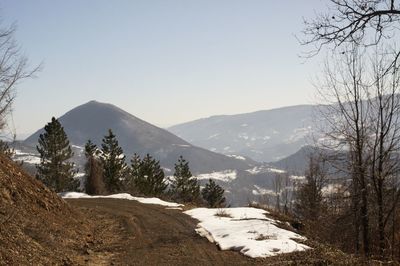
{"points": [[297, 177], [262, 191], [29, 158], [213, 136], [247, 230], [225, 176], [261, 169], [77, 147], [274, 170], [182, 145], [237, 157], [78, 195], [255, 170]]}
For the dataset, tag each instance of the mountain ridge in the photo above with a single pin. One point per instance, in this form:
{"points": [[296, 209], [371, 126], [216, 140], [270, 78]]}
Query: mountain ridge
{"points": [[93, 119], [264, 136]]}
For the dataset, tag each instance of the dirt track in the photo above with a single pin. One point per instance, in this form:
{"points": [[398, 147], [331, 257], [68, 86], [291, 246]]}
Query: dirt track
{"points": [[132, 233]]}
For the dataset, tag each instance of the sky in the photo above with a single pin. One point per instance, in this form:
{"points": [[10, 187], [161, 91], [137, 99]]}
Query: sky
{"points": [[164, 61]]}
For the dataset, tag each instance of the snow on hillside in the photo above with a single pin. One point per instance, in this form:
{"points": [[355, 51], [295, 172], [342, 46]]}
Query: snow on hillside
{"points": [[262, 191], [247, 230], [26, 157], [236, 157], [262, 169], [225, 176], [78, 195]]}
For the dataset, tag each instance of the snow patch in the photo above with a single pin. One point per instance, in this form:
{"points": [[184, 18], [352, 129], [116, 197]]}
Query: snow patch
{"points": [[247, 230], [237, 157], [225, 176], [25, 157], [297, 177], [213, 136], [262, 191], [157, 201]]}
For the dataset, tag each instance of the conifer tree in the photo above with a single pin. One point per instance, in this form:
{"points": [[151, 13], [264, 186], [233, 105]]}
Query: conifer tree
{"points": [[113, 161], [151, 179], [184, 186], [55, 170], [213, 194], [94, 184], [309, 199], [130, 179]]}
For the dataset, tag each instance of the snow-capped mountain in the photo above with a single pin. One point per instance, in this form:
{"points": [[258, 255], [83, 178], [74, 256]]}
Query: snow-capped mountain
{"points": [[264, 136]]}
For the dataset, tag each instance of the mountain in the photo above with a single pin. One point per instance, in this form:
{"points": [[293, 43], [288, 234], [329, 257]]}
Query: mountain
{"points": [[264, 136], [93, 119]]}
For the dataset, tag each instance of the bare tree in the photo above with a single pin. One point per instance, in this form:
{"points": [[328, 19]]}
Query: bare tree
{"points": [[385, 141], [360, 22], [13, 69], [347, 130]]}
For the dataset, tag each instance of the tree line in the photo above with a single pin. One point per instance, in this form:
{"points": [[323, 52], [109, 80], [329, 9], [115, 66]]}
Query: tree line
{"points": [[106, 171]]}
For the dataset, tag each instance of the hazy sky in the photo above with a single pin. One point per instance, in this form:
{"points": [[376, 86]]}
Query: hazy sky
{"points": [[164, 61]]}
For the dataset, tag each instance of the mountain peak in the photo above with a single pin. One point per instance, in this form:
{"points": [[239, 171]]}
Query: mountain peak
{"points": [[93, 119]]}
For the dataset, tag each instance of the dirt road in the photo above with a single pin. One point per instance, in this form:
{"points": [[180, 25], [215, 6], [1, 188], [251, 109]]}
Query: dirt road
{"points": [[131, 233]]}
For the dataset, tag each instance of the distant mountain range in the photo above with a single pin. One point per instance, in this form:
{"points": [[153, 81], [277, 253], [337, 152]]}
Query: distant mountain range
{"points": [[264, 136], [93, 119]]}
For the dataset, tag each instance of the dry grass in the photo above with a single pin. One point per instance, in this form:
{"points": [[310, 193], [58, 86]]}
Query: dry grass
{"points": [[223, 213]]}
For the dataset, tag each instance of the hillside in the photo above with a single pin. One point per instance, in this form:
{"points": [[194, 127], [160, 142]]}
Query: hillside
{"points": [[36, 226], [264, 136], [93, 119]]}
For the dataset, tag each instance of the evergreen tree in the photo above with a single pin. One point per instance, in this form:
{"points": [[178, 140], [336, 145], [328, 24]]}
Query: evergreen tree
{"points": [[94, 184], [213, 194], [113, 161], [55, 170], [150, 180], [309, 199], [130, 179], [184, 186]]}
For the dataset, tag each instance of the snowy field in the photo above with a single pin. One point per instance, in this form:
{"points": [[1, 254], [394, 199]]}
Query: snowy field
{"points": [[244, 229], [247, 230], [225, 176]]}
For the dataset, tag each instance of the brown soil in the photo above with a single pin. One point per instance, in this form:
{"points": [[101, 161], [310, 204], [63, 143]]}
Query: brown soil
{"points": [[36, 226], [39, 228], [153, 235]]}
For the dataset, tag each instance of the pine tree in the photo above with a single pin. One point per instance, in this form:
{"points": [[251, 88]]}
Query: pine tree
{"points": [[130, 179], [113, 161], [94, 184], [55, 170], [184, 186], [309, 198], [151, 179], [213, 194]]}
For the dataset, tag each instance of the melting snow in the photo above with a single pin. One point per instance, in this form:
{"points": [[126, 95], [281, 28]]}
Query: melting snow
{"points": [[247, 230], [78, 195], [224, 176], [30, 158]]}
